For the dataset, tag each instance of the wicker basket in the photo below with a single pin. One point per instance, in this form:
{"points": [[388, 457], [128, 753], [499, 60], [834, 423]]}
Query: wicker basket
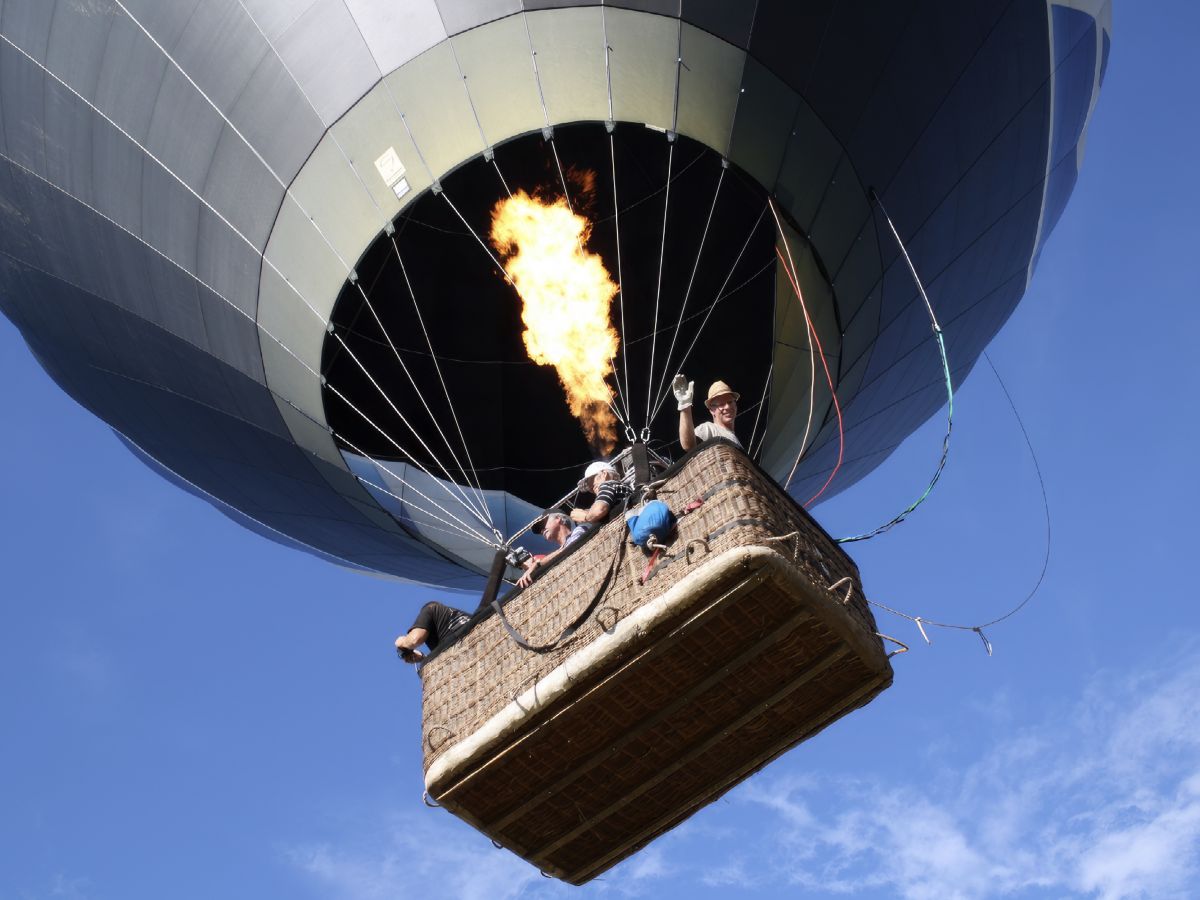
{"points": [[734, 649]]}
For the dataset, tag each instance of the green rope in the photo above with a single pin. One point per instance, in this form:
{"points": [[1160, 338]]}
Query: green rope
{"points": [[941, 342]]}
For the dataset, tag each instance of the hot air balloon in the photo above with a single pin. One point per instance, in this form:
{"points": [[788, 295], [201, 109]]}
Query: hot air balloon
{"points": [[265, 241]]}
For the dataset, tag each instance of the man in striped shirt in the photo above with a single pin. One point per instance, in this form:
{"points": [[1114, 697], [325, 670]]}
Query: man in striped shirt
{"points": [[604, 482]]}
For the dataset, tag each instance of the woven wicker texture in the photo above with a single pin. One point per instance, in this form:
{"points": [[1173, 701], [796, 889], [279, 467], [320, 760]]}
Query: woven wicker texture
{"points": [[758, 657]]}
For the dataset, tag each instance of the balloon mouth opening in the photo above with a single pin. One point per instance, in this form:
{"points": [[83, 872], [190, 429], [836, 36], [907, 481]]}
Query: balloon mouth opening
{"points": [[426, 345]]}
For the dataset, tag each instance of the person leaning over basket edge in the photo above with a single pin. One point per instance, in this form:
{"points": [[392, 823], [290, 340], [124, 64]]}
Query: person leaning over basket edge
{"points": [[722, 403], [554, 526], [602, 480], [434, 623]]}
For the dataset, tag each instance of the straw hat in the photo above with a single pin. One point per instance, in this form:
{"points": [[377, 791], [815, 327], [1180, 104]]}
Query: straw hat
{"points": [[720, 389]]}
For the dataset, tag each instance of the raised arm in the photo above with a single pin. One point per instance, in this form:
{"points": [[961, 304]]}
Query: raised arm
{"points": [[682, 389]]}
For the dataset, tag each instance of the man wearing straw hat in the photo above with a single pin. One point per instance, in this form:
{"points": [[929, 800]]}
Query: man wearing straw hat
{"points": [[722, 403]]}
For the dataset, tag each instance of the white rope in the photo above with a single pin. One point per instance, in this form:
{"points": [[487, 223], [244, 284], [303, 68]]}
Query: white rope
{"points": [[713, 305], [452, 530], [438, 368], [475, 234], [482, 509], [812, 349], [258, 325], [612, 150], [470, 100], [691, 281], [411, 460], [678, 66], [481, 514], [607, 58], [662, 254], [758, 415], [287, 190], [472, 477]]}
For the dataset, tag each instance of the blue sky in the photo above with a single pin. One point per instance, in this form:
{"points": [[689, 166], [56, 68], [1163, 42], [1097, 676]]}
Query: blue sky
{"points": [[190, 711]]}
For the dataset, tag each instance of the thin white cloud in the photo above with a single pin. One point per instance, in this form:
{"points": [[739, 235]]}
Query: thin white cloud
{"points": [[1101, 799], [415, 855]]}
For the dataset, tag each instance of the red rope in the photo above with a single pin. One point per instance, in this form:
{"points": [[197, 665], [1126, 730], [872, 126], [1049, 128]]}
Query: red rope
{"points": [[824, 364]]}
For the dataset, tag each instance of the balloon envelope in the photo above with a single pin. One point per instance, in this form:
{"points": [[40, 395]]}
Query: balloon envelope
{"points": [[204, 207]]}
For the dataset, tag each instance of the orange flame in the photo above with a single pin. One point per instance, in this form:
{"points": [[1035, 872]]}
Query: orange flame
{"points": [[567, 295]]}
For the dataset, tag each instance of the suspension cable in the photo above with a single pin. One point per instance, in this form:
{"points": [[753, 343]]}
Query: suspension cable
{"points": [[233, 306], [612, 151], [812, 371], [713, 305], [437, 367], [691, 281], [793, 278], [662, 255], [762, 402], [286, 188]]}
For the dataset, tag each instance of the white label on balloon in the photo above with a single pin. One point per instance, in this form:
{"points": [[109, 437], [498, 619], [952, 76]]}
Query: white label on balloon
{"points": [[391, 170], [401, 188]]}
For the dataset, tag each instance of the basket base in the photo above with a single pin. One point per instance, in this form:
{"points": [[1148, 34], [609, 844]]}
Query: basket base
{"points": [[661, 715]]}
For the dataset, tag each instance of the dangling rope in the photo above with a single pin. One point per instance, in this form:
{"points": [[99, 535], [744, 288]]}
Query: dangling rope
{"points": [[941, 343], [793, 278], [921, 621]]}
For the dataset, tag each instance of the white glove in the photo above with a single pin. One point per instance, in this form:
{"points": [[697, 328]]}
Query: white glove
{"points": [[683, 391]]}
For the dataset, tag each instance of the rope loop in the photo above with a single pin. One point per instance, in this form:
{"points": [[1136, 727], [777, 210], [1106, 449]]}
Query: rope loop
{"points": [[608, 627], [693, 543], [849, 582], [432, 731], [793, 536], [429, 801]]}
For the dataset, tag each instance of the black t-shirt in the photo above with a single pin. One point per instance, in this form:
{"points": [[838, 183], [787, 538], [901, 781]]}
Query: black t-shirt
{"points": [[438, 620], [612, 493]]}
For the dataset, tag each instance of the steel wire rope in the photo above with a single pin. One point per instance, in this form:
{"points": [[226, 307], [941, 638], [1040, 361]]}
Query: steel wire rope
{"points": [[687, 293], [469, 473], [662, 256], [713, 305], [436, 365], [504, 272], [485, 515], [624, 345], [258, 427], [526, 362], [762, 402], [479, 496], [941, 343], [921, 621], [625, 420], [208, 206], [610, 127], [237, 309], [793, 278]]}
